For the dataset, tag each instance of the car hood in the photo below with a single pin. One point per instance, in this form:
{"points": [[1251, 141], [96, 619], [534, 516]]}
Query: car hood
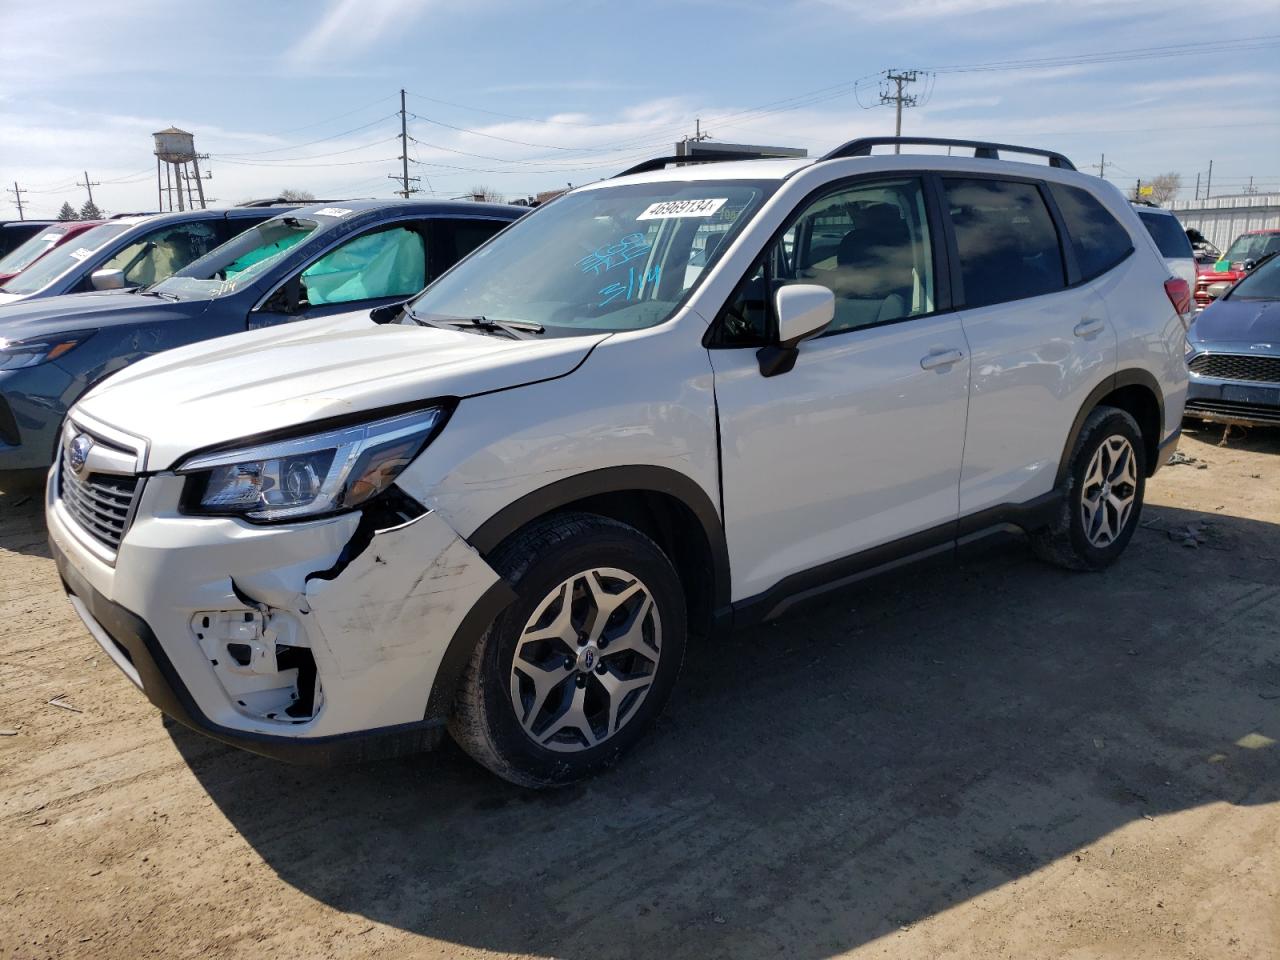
{"points": [[1257, 321], [87, 311], [223, 390]]}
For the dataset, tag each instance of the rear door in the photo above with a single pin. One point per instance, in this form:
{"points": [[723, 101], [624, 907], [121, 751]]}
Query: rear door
{"points": [[1039, 330], [860, 443]]}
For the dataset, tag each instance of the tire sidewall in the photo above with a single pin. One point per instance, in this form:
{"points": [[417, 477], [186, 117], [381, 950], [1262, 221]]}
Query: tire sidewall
{"points": [[1112, 423], [613, 545]]}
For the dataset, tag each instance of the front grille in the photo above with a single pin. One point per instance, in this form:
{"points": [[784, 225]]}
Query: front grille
{"points": [[1234, 366], [101, 503], [1230, 410]]}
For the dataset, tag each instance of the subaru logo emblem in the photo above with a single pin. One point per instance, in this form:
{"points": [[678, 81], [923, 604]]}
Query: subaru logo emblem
{"points": [[78, 452]]}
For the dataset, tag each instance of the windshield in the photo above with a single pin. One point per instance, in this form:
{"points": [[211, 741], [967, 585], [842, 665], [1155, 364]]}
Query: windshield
{"points": [[1253, 246], [71, 254], [1262, 284], [239, 261], [616, 258], [28, 253]]}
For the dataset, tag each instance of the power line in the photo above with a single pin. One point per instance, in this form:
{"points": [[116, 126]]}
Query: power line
{"points": [[1133, 53], [298, 146]]}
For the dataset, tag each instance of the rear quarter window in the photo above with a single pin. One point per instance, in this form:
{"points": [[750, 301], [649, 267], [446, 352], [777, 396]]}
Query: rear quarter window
{"points": [[1167, 233], [1098, 239]]}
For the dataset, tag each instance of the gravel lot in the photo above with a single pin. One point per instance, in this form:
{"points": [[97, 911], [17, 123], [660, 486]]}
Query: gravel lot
{"points": [[987, 759]]}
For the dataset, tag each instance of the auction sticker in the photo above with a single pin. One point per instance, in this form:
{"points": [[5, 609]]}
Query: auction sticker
{"points": [[666, 209], [333, 212], [81, 252]]}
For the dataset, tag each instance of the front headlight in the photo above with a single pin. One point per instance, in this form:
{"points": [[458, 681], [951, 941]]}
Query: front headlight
{"points": [[16, 354], [1188, 349], [308, 476]]}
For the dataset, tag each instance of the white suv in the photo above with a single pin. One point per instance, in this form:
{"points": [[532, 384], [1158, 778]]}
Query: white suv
{"points": [[664, 404]]}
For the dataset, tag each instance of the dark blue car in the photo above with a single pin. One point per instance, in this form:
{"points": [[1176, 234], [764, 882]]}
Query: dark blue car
{"points": [[1233, 352], [311, 262]]}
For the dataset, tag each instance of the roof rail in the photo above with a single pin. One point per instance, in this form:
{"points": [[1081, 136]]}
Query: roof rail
{"points": [[279, 201], [702, 156], [981, 148]]}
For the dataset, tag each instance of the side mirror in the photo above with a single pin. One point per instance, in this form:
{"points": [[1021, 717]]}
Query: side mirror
{"points": [[804, 310], [1215, 290], [107, 279], [1249, 265]]}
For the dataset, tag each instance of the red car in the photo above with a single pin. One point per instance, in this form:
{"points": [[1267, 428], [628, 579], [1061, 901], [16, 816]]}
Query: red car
{"points": [[27, 253], [1247, 250]]}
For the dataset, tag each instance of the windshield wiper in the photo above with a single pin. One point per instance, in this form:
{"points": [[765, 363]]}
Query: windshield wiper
{"points": [[162, 294], [515, 329]]}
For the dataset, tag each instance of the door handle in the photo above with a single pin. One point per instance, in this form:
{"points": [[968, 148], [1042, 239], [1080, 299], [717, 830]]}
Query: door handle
{"points": [[1088, 327], [940, 358]]}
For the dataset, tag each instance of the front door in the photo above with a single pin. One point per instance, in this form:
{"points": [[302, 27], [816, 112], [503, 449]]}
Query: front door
{"points": [[860, 444]]}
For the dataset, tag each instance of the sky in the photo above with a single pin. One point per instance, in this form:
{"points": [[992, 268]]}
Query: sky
{"points": [[529, 96]]}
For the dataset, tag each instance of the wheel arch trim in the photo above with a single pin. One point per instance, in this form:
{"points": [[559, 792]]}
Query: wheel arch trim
{"points": [[1132, 377]]}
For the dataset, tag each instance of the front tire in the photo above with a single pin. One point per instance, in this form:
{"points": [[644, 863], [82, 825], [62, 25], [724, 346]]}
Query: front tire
{"points": [[1107, 480], [572, 674]]}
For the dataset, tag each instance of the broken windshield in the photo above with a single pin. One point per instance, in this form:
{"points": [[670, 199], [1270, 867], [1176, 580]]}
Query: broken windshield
{"points": [[239, 261]]}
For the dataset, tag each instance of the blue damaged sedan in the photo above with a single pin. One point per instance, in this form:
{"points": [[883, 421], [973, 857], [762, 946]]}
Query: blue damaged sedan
{"points": [[311, 262], [1233, 352]]}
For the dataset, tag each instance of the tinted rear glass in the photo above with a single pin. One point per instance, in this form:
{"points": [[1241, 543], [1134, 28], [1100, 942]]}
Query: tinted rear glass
{"points": [[1098, 239], [1168, 233], [1007, 242]]}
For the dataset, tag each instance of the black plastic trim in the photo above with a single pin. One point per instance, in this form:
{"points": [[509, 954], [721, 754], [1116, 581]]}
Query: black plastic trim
{"points": [[945, 538], [1125, 378], [165, 689], [983, 149], [486, 537]]}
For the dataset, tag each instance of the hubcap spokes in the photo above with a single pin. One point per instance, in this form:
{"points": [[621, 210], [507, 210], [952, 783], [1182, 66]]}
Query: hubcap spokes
{"points": [[585, 660], [1109, 492]]}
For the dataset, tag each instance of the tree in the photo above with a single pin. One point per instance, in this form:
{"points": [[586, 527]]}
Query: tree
{"points": [[483, 194], [90, 211], [292, 194], [68, 212], [1165, 187]]}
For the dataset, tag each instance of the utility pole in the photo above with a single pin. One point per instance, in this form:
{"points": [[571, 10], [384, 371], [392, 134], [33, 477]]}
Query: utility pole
{"points": [[17, 192], [1197, 185], [89, 185], [1102, 167], [404, 177], [1137, 190], [899, 98], [1209, 182]]}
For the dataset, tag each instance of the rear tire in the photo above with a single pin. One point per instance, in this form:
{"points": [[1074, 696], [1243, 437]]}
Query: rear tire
{"points": [[577, 668], [1106, 482]]}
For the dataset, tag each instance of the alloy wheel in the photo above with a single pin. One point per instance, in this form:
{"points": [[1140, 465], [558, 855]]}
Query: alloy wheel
{"points": [[586, 659], [1109, 491]]}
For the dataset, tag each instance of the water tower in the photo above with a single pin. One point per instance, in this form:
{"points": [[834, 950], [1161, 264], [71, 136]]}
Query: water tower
{"points": [[175, 149]]}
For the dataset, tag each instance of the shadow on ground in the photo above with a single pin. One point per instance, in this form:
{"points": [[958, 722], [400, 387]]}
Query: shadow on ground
{"points": [[22, 509], [821, 782]]}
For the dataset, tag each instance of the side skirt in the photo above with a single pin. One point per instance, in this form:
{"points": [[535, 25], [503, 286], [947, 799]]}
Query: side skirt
{"points": [[948, 538]]}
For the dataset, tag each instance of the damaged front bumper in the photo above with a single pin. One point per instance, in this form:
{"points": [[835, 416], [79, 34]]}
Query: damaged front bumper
{"points": [[312, 642]]}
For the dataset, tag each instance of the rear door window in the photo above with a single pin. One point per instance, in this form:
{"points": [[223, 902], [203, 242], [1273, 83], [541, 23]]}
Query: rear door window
{"points": [[1008, 244], [1098, 239]]}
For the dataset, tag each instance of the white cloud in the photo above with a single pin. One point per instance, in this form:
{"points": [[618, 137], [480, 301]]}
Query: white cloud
{"points": [[349, 27]]}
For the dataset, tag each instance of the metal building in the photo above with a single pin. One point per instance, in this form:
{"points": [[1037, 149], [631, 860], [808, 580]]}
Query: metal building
{"points": [[1222, 219]]}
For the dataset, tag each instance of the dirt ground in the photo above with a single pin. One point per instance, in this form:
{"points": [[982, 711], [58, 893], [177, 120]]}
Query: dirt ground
{"points": [[986, 759]]}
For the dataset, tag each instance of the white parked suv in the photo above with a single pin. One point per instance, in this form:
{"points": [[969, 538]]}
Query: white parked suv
{"points": [[664, 404]]}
